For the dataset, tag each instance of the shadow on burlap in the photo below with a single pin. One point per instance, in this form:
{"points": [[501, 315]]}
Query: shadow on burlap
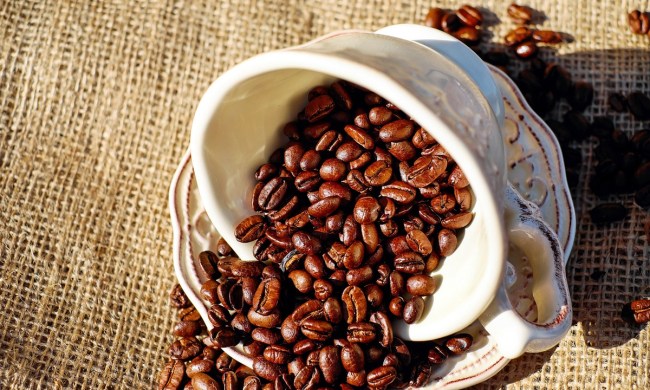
{"points": [[96, 101]]}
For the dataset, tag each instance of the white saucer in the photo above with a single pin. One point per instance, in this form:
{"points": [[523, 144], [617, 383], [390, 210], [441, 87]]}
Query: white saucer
{"points": [[535, 169]]}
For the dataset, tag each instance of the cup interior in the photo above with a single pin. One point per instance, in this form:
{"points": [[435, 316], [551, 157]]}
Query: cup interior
{"points": [[240, 130]]}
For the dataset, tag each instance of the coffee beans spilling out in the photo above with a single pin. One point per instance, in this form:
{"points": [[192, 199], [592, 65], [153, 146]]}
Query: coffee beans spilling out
{"points": [[464, 23], [524, 40], [639, 22]]}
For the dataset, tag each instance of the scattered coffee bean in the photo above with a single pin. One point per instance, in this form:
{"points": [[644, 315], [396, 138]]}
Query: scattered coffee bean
{"points": [[639, 105], [608, 213], [434, 18], [520, 14], [637, 312]]}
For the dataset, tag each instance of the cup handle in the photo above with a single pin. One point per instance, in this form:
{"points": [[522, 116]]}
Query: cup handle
{"points": [[514, 334]]}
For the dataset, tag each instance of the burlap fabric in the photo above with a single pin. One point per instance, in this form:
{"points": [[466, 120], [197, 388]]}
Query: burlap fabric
{"points": [[96, 101]]}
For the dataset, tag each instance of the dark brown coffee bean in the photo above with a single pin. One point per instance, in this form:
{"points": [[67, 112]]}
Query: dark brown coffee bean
{"points": [[292, 131], [459, 343], [273, 193], [324, 207], [434, 18], [639, 105], [457, 221], [208, 262], [412, 222], [422, 285], [608, 213], [383, 270], [229, 380], [306, 243], [426, 170], [209, 291], [520, 14], [558, 79], [270, 320], [409, 263], [306, 181], [309, 309], [617, 102], [312, 358], [352, 358], [359, 136], [399, 130], [366, 210], [396, 284], [189, 314], [307, 378], [413, 309], [355, 303], [450, 22], [431, 263], [447, 242], [330, 364], [468, 35], [634, 21], [187, 328], [379, 116], [185, 348], [381, 377], [335, 255], [636, 312], [374, 295], [317, 91], [581, 96], [361, 332], [218, 316], [470, 16], [318, 108], [389, 228], [399, 191], [443, 203], [402, 150], [419, 242], [420, 374], [178, 299], [437, 354], [348, 151], [370, 237], [199, 365], [322, 289], [341, 95], [314, 265], [354, 255], [267, 370], [398, 245], [276, 239], [547, 36], [377, 173], [171, 375], [463, 197], [385, 328], [250, 229], [332, 169], [252, 383], [396, 306], [316, 130], [301, 279], [361, 120], [267, 296], [223, 337], [202, 381], [290, 330], [518, 36], [278, 354], [359, 276], [292, 156], [356, 181], [332, 310], [266, 172], [526, 50], [422, 139]]}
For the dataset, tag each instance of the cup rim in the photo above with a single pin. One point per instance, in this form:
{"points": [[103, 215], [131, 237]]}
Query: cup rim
{"points": [[303, 57]]}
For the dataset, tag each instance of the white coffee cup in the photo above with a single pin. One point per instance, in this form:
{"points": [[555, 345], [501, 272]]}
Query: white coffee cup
{"points": [[238, 125]]}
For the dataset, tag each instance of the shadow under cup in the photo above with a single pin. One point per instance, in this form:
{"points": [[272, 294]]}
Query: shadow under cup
{"points": [[244, 127]]}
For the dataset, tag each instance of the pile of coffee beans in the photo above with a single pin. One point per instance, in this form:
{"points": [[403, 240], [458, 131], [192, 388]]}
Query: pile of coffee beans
{"points": [[524, 40], [463, 23], [639, 22]]}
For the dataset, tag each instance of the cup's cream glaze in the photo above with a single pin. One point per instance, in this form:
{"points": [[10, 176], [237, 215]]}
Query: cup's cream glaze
{"points": [[238, 124]]}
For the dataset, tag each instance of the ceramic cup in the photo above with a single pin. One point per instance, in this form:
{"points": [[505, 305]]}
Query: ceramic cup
{"points": [[238, 125]]}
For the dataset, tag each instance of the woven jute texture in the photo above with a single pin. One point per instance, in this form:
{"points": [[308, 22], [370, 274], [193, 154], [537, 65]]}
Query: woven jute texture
{"points": [[96, 102]]}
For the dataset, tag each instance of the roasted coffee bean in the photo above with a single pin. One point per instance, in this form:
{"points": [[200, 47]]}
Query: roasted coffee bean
{"points": [[319, 107], [324, 207], [354, 255], [276, 239], [306, 346], [171, 375], [520, 14], [370, 237], [431, 263], [634, 21], [341, 95], [310, 160], [322, 289], [379, 116], [230, 381], [419, 242], [242, 269], [352, 357], [355, 303], [218, 316], [302, 281], [459, 343], [399, 130], [202, 381], [526, 50], [359, 276], [208, 262], [361, 332], [224, 337], [434, 18], [270, 198], [307, 378], [330, 364], [178, 299], [306, 243], [422, 139], [518, 36], [636, 312], [617, 102], [267, 296], [250, 229], [385, 328], [312, 358], [316, 130], [389, 228], [184, 348], [252, 383], [270, 320], [361, 120], [450, 22], [396, 306], [381, 377], [409, 262], [187, 328], [413, 310], [420, 374], [199, 365], [374, 295], [547, 36], [437, 354], [581, 96], [608, 213], [332, 169], [223, 249], [468, 35], [377, 173], [402, 150], [189, 314], [253, 348], [362, 161], [383, 270], [470, 16], [412, 223], [332, 310], [307, 181], [457, 221], [558, 79], [396, 283], [398, 245], [399, 191], [267, 370], [463, 197], [421, 285], [309, 309], [266, 172], [366, 210], [348, 151], [639, 105], [266, 336], [443, 203], [359, 136], [290, 330], [447, 242], [426, 170], [209, 291], [278, 354]]}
